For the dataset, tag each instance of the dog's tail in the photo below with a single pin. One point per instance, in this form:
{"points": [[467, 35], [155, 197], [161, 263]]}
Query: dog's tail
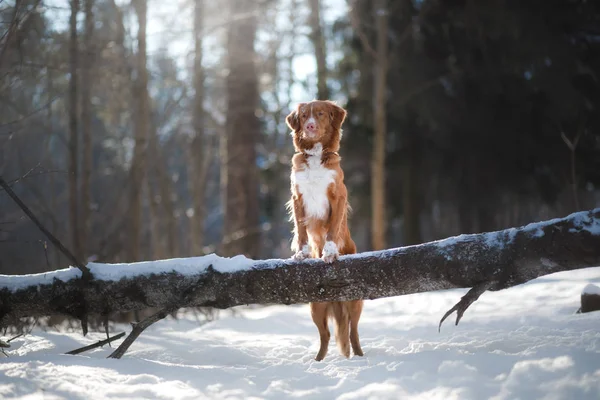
{"points": [[341, 318]]}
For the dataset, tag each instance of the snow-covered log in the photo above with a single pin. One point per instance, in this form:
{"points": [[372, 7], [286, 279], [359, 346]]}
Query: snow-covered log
{"points": [[489, 261]]}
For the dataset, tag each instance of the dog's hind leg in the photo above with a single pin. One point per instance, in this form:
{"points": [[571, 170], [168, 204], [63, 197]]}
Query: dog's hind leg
{"points": [[318, 312], [355, 309], [341, 318]]}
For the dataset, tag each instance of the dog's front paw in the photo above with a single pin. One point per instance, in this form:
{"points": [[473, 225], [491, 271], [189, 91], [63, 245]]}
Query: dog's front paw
{"points": [[330, 252], [302, 254]]}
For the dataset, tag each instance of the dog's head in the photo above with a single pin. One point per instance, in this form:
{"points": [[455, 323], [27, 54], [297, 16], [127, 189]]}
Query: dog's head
{"points": [[317, 122]]}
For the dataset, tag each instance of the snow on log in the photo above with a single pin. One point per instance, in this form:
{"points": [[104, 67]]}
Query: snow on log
{"points": [[489, 261]]}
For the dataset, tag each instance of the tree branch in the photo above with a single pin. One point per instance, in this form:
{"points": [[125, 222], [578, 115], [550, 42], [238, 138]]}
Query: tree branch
{"points": [[137, 330], [364, 40], [139, 327], [85, 270], [465, 301]]}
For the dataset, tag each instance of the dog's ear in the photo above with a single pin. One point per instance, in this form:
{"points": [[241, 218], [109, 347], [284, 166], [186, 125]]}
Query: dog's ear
{"points": [[337, 114], [293, 119]]}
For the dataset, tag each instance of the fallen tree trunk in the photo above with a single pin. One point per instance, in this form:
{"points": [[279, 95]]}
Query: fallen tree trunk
{"points": [[490, 261]]}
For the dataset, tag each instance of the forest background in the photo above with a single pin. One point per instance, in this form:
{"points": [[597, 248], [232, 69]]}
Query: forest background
{"points": [[149, 129]]}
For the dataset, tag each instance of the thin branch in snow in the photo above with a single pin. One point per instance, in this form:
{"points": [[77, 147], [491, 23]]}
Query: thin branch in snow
{"points": [[138, 329], [15, 337], [100, 343], [5, 344]]}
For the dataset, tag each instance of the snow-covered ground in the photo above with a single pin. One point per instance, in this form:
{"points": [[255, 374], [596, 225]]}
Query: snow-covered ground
{"points": [[525, 342]]}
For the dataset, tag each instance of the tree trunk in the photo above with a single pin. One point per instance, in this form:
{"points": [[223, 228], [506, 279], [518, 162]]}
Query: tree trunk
{"points": [[410, 194], [486, 215], [157, 250], [491, 261], [73, 134], [164, 229], [199, 153], [86, 125], [51, 164], [363, 16], [241, 232], [199, 159], [318, 41], [142, 115], [168, 204], [378, 197]]}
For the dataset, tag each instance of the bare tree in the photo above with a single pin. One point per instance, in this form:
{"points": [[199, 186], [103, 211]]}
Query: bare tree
{"points": [[10, 31], [86, 125], [157, 251], [142, 116], [411, 209], [378, 200], [162, 206], [380, 55], [73, 134], [199, 153], [51, 162], [411, 203], [242, 134], [318, 41]]}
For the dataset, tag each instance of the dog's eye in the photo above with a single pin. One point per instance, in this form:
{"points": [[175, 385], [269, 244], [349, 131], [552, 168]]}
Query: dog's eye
{"points": [[320, 113]]}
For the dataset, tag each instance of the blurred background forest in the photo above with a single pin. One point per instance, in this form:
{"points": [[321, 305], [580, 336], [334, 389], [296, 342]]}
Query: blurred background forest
{"points": [[150, 129]]}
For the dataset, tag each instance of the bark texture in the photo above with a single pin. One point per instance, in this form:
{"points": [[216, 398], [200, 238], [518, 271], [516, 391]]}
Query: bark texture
{"points": [[491, 261]]}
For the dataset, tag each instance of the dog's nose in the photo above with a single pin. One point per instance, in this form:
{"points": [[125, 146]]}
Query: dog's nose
{"points": [[311, 126]]}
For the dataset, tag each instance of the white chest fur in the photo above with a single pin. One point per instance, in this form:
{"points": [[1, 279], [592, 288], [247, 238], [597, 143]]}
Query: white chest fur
{"points": [[312, 182]]}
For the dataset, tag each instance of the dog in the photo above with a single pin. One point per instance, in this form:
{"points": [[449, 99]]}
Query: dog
{"points": [[319, 210]]}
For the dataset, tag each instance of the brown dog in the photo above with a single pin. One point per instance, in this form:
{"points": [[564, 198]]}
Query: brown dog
{"points": [[319, 206]]}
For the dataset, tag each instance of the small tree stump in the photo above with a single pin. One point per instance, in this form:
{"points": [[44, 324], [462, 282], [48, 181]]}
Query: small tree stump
{"points": [[590, 298]]}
